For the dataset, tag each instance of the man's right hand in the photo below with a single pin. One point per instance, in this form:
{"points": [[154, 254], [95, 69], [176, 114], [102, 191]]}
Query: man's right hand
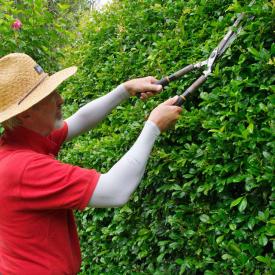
{"points": [[165, 114]]}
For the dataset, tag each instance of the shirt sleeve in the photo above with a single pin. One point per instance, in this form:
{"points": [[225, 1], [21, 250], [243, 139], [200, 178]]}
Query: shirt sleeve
{"points": [[49, 184]]}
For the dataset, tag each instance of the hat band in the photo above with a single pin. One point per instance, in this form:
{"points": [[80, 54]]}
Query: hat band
{"points": [[25, 96]]}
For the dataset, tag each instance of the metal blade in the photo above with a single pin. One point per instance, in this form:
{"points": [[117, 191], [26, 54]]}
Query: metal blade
{"points": [[229, 41], [230, 35]]}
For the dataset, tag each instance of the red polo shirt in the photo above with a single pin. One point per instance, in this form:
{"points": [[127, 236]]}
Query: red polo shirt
{"points": [[37, 195]]}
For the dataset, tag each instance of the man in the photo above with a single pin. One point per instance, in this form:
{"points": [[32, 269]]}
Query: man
{"points": [[38, 193]]}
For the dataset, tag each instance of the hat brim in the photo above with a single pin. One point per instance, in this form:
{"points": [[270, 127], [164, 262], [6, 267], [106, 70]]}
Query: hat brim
{"points": [[39, 93]]}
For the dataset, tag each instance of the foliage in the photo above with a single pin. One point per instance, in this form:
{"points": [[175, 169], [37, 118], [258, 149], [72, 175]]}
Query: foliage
{"points": [[206, 202], [47, 27]]}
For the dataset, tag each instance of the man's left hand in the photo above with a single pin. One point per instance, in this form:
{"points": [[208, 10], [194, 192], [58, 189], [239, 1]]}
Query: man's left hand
{"points": [[144, 86]]}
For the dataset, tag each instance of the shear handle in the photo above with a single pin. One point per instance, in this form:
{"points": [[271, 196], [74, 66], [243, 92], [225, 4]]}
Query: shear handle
{"points": [[167, 79], [190, 90]]}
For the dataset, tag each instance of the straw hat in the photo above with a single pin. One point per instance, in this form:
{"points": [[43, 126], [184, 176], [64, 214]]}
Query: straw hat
{"points": [[23, 83]]}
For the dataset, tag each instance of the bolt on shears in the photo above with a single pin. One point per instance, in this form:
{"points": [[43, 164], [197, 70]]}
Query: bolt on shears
{"points": [[227, 40]]}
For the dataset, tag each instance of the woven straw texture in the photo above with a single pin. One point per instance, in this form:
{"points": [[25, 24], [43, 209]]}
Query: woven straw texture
{"points": [[17, 78], [23, 83]]}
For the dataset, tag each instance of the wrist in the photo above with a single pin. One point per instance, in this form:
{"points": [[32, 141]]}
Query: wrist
{"points": [[128, 88], [122, 91], [153, 126]]}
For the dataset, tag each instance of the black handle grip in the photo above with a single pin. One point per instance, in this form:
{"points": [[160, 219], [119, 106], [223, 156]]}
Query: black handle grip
{"points": [[179, 101], [163, 82], [167, 79], [195, 85], [181, 72]]}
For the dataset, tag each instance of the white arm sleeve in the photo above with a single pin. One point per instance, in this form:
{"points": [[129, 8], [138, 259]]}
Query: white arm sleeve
{"points": [[116, 186], [92, 113]]}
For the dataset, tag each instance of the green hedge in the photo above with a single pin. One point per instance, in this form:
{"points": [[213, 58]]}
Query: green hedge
{"points": [[47, 26], [206, 202]]}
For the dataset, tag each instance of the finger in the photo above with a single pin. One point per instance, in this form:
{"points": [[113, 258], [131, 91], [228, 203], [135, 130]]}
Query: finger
{"points": [[179, 109], [149, 94], [175, 109], [143, 96], [152, 79], [171, 101], [156, 92], [153, 87]]}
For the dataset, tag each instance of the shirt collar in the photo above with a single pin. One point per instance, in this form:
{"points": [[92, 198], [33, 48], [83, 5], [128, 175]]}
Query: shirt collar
{"points": [[21, 137]]}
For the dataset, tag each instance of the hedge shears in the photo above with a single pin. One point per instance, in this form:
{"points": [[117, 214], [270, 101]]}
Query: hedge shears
{"points": [[227, 40]]}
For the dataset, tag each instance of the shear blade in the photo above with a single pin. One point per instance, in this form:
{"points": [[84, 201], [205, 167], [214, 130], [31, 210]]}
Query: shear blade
{"points": [[229, 41]]}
